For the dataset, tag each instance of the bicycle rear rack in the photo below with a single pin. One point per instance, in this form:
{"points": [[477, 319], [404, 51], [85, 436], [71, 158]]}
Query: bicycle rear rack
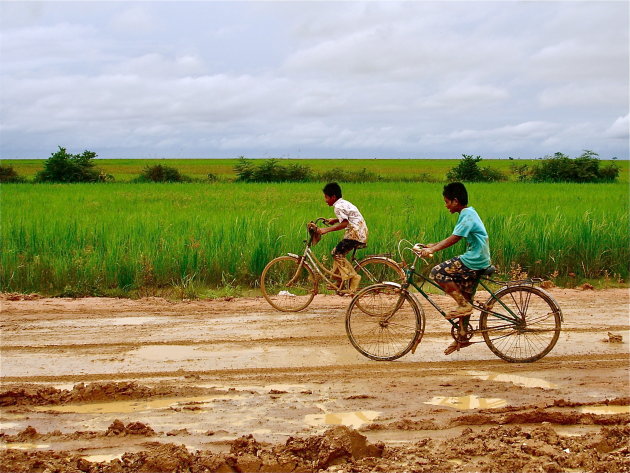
{"points": [[517, 282]]}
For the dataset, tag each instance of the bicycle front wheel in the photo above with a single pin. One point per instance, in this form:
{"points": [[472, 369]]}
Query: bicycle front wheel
{"points": [[522, 324], [383, 322], [378, 269], [288, 285]]}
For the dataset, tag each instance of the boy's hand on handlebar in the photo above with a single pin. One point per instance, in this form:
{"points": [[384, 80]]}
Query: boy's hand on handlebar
{"points": [[422, 251]]}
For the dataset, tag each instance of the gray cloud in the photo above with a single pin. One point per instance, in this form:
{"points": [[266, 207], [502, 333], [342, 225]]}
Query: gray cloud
{"points": [[311, 79]]}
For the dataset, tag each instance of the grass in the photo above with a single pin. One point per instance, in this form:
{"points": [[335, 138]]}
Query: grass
{"points": [[193, 239]]}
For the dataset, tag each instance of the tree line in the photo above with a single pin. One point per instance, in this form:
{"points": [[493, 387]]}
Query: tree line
{"points": [[64, 167]]}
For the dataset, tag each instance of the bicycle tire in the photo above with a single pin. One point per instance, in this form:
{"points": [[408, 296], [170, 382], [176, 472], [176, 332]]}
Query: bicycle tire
{"points": [[530, 339], [378, 269], [377, 334], [275, 289]]}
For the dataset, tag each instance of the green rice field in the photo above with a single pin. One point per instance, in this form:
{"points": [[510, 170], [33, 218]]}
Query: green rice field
{"points": [[196, 238]]}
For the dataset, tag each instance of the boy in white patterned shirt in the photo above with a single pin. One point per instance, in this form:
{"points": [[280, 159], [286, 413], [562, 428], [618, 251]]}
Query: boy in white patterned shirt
{"points": [[356, 234]]}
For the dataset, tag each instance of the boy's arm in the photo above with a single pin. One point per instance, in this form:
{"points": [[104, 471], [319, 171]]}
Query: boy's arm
{"points": [[339, 226], [450, 241]]}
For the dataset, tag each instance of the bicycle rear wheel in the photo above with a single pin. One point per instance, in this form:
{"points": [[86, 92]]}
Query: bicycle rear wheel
{"points": [[378, 269], [532, 335], [383, 322], [287, 285]]}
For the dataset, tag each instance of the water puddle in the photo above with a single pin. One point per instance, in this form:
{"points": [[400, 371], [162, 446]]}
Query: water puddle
{"points": [[468, 402], [23, 446], [126, 407], [605, 410], [524, 381], [102, 458], [7, 425], [350, 419], [170, 352], [288, 388]]}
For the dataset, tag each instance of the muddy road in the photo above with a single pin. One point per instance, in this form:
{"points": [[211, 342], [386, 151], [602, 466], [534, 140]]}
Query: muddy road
{"points": [[103, 385]]}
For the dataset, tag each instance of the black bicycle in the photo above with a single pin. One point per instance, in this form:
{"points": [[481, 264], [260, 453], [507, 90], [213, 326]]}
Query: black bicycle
{"points": [[520, 322]]}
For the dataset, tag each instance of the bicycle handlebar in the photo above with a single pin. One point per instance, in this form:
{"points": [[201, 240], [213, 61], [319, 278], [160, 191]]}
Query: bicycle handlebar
{"points": [[323, 220], [419, 246]]}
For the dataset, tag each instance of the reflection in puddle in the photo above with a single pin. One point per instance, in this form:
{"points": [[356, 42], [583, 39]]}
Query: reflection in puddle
{"points": [[125, 407], [468, 402], [8, 425], [514, 379], [349, 419], [605, 410], [23, 446], [102, 458]]}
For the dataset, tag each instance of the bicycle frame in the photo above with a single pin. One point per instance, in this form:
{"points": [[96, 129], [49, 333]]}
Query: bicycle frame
{"points": [[410, 272]]}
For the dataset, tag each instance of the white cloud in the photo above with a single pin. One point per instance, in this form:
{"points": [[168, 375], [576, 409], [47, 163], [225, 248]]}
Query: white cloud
{"points": [[576, 94], [620, 129], [135, 20]]}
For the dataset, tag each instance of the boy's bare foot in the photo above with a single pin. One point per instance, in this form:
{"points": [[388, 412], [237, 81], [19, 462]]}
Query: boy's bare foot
{"points": [[455, 346], [461, 311]]}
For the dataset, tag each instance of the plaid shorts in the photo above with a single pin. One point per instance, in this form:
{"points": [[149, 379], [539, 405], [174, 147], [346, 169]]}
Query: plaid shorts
{"points": [[453, 270], [346, 246]]}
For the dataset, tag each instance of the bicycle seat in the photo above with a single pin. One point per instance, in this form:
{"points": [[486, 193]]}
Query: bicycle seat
{"points": [[489, 271]]}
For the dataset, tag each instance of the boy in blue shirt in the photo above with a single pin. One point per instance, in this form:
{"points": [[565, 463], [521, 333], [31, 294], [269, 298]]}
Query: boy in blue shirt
{"points": [[458, 276]]}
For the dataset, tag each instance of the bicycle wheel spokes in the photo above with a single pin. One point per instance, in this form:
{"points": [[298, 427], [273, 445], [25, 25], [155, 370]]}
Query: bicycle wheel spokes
{"points": [[385, 324], [534, 331], [287, 285], [374, 270]]}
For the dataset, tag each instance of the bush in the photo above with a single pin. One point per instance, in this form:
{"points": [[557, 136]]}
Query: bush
{"points": [[584, 168], [8, 174], [161, 173], [468, 170], [341, 175], [65, 167], [272, 171]]}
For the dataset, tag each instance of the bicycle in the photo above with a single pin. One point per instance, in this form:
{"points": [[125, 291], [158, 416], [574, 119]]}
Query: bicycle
{"points": [[519, 322], [290, 282]]}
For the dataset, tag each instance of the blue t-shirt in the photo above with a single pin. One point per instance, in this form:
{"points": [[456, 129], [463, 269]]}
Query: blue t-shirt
{"points": [[470, 226]]}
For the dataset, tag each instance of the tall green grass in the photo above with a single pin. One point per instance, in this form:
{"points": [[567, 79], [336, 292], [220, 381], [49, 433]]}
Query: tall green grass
{"points": [[99, 238]]}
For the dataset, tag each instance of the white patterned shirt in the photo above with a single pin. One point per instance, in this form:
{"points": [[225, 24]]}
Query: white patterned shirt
{"points": [[357, 228]]}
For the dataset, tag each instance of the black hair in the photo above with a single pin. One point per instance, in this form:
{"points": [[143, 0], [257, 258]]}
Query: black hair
{"points": [[332, 189], [456, 190]]}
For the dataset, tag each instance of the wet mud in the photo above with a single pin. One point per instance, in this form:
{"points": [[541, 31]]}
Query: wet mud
{"points": [[113, 385]]}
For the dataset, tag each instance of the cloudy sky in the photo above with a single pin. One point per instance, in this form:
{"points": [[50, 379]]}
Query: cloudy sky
{"points": [[314, 79]]}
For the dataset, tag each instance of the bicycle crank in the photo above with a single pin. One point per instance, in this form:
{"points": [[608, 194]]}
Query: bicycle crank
{"points": [[464, 334]]}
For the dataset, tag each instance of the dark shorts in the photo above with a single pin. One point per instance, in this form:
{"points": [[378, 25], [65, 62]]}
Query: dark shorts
{"points": [[453, 270], [346, 246]]}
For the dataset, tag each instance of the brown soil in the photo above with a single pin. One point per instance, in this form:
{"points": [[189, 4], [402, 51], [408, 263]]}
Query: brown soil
{"points": [[116, 385]]}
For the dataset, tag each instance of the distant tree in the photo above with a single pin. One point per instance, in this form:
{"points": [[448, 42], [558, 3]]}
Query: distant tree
{"points": [[65, 167], [468, 170], [8, 175]]}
